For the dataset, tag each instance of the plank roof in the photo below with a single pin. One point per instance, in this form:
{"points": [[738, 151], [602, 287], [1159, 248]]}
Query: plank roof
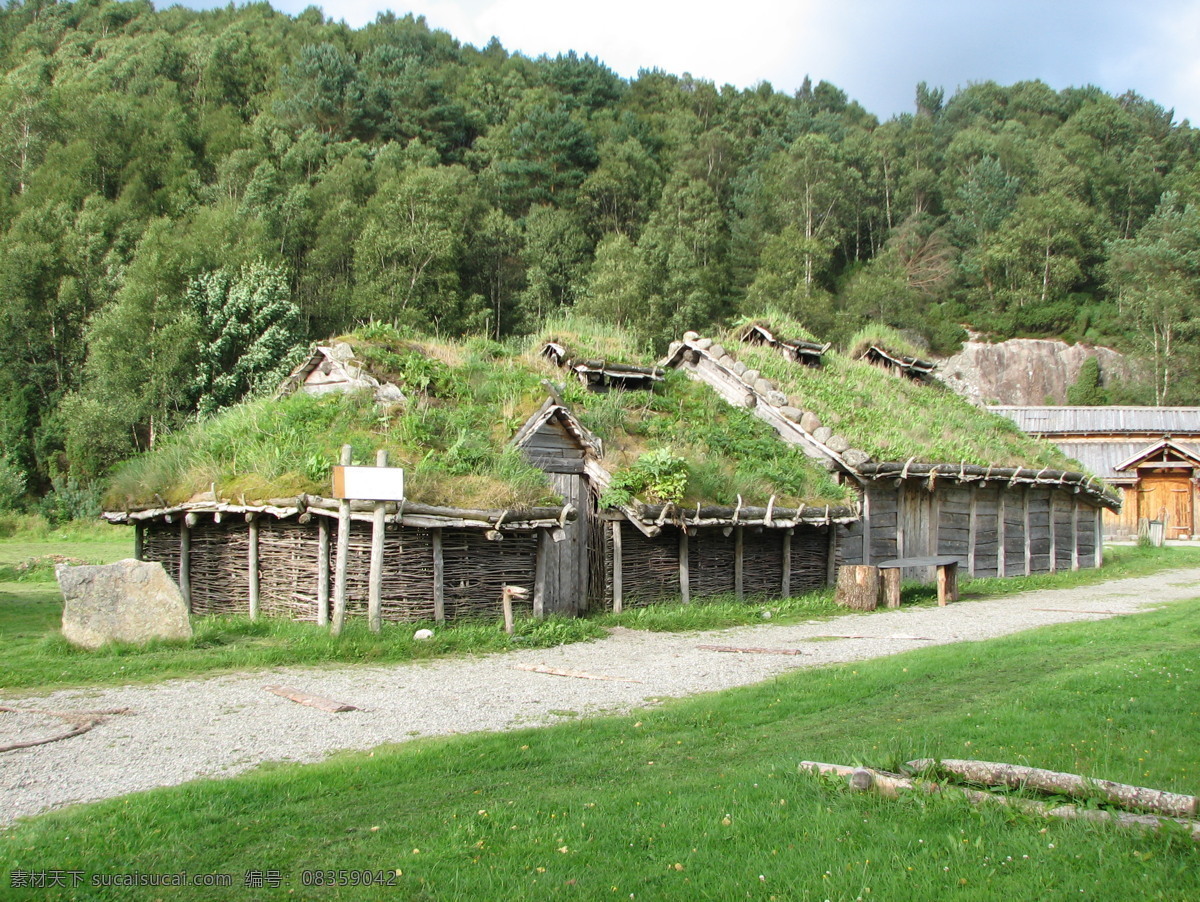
{"points": [[1083, 421]]}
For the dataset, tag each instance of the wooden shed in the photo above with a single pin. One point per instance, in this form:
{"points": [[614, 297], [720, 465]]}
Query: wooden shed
{"points": [[1151, 455], [997, 520]]}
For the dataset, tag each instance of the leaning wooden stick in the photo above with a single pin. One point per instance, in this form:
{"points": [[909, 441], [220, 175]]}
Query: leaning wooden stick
{"points": [[506, 597]]}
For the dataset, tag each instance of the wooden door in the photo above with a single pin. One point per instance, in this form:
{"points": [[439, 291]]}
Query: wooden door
{"points": [[916, 531], [1167, 496], [566, 565]]}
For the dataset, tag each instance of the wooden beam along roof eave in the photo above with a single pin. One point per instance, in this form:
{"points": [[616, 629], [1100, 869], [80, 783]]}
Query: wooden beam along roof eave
{"points": [[967, 473], [776, 518], [408, 513], [916, 364]]}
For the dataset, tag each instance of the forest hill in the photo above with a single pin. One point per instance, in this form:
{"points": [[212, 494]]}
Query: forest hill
{"points": [[192, 194]]}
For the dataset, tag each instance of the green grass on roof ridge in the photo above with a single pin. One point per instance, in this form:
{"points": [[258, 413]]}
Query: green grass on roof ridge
{"points": [[895, 419], [883, 337], [466, 399], [782, 325]]}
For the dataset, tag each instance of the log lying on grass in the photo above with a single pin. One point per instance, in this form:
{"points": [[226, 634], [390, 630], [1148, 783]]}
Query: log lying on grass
{"points": [[1016, 776], [864, 779]]}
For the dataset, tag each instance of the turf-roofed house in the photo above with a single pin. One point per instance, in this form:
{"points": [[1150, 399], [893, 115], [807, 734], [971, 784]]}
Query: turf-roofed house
{"points": [[570, 465], [935, 475]]}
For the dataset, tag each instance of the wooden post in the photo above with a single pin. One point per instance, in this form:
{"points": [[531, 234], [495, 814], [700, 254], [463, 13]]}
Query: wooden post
{"points": [[1001, 563], [1098, 531], [375, 574], [739, 546], [972, 530], [540, 566], [785, 583], [185, 562], [252, 567], [889, 581], [1053, 540], [439, 576], [685, 581], [618, 569], [947, 583], [322, 571], [1074, 532], [901, 545], [343, 553], [139, 541], [1028, 537], [866, 526], [831, 556], [506, 604]]}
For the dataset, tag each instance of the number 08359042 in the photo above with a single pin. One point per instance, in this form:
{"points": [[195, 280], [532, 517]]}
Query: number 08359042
{"points": [[347, 877]]}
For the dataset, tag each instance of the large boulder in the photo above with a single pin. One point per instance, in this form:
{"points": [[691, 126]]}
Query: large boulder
{"points": [[1027, 371], [129, 601]]}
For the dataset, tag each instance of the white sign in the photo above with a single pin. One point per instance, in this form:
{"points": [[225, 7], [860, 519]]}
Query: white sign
{"points": [[369, 483]]}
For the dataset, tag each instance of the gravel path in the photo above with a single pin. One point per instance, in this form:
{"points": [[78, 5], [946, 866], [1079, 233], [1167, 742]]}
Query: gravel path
{"points": [[217, 727]]}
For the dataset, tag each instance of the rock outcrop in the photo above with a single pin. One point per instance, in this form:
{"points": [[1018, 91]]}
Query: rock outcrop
{"points": [[129, 601], [1025, 371]]}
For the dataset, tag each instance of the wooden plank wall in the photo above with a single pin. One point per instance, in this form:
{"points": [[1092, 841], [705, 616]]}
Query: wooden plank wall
{"points": [[850, 543], [884, 521], [954, 521], [553, 449], [1038, 529], [987, 532]]}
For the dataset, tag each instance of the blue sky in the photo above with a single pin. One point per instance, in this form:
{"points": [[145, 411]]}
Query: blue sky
{"points": [[875, 50]]}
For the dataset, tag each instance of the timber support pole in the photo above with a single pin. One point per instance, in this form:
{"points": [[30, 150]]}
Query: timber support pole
{"points": [[252, 567], [343, 553], [439, 576], [375, 574], [685, 581], [618, 569], [322, 572], [185, 562]]}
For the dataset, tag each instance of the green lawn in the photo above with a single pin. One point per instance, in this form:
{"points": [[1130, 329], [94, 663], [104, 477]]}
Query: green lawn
{"points": [[701, 799], [38, 659]]}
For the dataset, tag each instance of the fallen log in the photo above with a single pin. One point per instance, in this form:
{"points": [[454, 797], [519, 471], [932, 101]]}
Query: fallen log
{"points": [[750, 651], [82, 721], [1072, 611], [311, 701], [1017, 776], [577, 674], [865, 779]]}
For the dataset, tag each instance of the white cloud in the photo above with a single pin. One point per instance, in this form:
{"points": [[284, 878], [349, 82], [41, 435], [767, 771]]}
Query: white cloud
{"points": [[875, 50]]}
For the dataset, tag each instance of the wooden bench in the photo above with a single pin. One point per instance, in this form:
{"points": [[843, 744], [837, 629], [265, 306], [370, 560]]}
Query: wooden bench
{"points": [[947, 577]]}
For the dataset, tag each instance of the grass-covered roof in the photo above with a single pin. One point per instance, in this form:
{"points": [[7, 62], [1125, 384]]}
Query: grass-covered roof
{"points": [[466, 399], [897, 419]]}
